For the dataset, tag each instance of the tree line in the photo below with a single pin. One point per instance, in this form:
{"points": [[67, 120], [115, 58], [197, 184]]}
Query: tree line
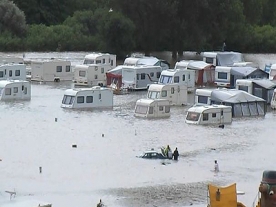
{"points": [[122, 26]]}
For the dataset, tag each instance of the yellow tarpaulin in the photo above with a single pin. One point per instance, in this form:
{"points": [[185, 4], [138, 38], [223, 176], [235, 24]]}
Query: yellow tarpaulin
{"points": [[223, 196]]}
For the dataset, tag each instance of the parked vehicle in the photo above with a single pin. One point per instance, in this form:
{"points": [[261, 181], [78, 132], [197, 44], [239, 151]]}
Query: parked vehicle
{"points": [[100, 59], [13, 72], [209, 115], [152, 108], [81, 98], [15, 90], [53, 70], [262, 88], [174, 93]]}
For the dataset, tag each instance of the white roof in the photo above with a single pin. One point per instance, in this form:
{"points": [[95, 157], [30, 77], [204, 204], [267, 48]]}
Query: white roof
{"points": [[200, 109], [156, 87], [96, 55], [4, 83], [147, 102], [145, 60], [198, 65], [52, 60], [74, 91], [233, 96]]}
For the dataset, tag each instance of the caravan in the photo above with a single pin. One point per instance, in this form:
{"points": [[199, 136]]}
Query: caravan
{"points": [[222, 58], [100, 59], [15, 90], [152, 108], [206, 115], [176, 94], [178, 77], [13, 72], [262, 88], [52, 70], [139, 77], [81, 98], [202, 96], [90, 75]]}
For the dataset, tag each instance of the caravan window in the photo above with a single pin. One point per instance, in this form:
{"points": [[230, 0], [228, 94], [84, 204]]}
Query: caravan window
{"points": [[96, 76], [141, 109], [172, 90], [161, 108], [7, 91], [153, 94], [150, 110], [151, 74], [143, 76], [80, 99], [100, 96], [137, 76], [202, 99], [59, 69], [10, 73], [176, 79], [214, 115], [205, 117], [15, 89], [183, 78], [82, 73], [167, 109], [164, 93], [68, 99], [25, 90], [243, 88], [209, 60], [222, 75], [67, 68], [103, 61], [112, 62], [158, 74], [165, 79], [98, 61], [17, 72], [192, 116], [89, 99], [1, 74], [102, 70]]}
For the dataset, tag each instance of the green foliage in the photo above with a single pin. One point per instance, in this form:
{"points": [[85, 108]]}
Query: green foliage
{"points": [[11, 18]]}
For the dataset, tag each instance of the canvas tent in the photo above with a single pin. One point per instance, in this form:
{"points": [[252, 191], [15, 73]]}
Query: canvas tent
{"points": [[204, 72], [229, 58], [243, 103]]}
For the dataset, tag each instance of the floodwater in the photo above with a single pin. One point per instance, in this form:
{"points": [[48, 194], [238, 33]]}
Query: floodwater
{"points": [[39, 133]]}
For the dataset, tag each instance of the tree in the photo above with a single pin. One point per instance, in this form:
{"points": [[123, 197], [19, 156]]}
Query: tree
{"points": [[12, 18]]}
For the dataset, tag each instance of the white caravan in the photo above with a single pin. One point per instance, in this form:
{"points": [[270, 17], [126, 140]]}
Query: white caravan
{"points": [[100, 59], [176, 94], [13, 72], [149, 108], [202, 96], [273, 100], [272, 72], [179, 77], [146, 60], [222, 76], [209, 115], [81, 98], [91, 75], [139, 77], [222, 58], [15, 90], [52, 70]]}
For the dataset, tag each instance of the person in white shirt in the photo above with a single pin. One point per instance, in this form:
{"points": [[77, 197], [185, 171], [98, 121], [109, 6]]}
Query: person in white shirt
{"points": [[216, 168]]}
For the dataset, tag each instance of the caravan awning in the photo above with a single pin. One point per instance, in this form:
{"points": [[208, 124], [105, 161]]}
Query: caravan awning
{"points": [[265, 83], [242, 71], [198, 65]]}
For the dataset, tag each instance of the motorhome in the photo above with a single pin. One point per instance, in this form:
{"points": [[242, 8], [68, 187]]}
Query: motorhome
{"points": [[209, 115], [149, 108], [15, 90], [262, 88], [176, 94], [13, 72], [179, 77], [90, 75], [100, 59], [140, 77], [85, 98], [52, 70], [243, 103], [227, 76]]}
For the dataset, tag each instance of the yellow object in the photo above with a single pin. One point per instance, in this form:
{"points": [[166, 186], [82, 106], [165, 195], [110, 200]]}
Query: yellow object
{"points": [[223, 196]]}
